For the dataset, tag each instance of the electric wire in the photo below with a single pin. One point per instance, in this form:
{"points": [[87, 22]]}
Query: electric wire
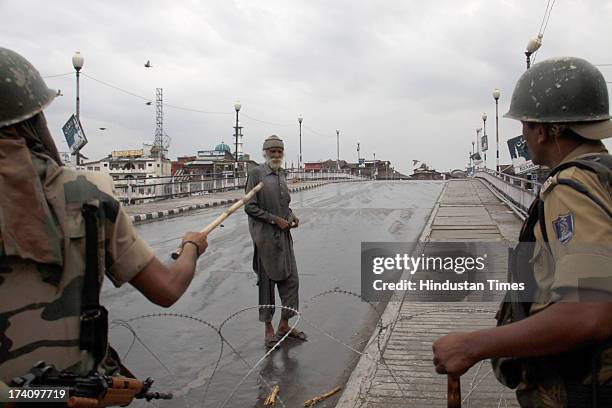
{"points": [[57, 75]]}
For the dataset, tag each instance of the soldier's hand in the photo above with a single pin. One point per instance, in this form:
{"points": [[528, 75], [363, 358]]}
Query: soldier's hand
{"points": [[282, 223], [453, 354], [198, 238]]}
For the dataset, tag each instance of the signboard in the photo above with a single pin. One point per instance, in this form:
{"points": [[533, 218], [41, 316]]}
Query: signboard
{"points": [[361, 162], [75, 137], [484, 143], [521, 159], [207, 153], [128, 153], [476, 158], [65, 156]]}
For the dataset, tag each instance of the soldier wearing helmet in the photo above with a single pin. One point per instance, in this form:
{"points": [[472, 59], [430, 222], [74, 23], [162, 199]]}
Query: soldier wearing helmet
{"points": [[61, 231], [270, 221], [554, 344]]}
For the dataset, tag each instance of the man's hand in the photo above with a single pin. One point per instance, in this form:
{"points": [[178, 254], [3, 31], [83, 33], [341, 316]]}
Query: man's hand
{"points": [[199, 239], [453, 354], [296, 221], [282, 223]]}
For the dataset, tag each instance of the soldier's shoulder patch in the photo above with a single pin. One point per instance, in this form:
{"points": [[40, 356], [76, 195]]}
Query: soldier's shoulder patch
{"points": [[564, 227], [548, 185]]}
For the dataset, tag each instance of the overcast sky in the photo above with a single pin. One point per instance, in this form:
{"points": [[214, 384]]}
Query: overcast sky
{"points": [[407, 79]]}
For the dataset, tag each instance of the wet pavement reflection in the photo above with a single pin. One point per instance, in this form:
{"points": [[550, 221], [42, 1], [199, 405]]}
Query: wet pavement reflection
{"points": [[180, 353]]}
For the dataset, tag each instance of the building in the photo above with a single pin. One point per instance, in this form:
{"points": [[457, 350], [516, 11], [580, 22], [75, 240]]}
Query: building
{"points": [[423, 172], [217, 163], [136, 173]]}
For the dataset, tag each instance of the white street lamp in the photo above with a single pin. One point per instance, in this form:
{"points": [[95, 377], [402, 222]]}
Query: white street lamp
{"points": [[485, 141], [533, 45], [237, 106], [77, 63], [496, 95], [300, 119]]}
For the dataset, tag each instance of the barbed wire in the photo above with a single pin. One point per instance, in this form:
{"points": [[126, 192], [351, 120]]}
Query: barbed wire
{"points": [[378, 359]]}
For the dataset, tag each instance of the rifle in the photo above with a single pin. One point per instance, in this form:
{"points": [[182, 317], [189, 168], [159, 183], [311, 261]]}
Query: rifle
{"points": [[92, 391]]}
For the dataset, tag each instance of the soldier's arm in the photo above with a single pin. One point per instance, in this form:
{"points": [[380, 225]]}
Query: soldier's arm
{"points": [[556, 329], [165, 284], [580, 238]]}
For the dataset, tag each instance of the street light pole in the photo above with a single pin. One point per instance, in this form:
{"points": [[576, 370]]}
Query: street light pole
{"points": [[358, 160], [300, 119], [484, 137], [338, 149], [496, 95], [532, 46], [478, 145], [237, 106], [77, 63]]}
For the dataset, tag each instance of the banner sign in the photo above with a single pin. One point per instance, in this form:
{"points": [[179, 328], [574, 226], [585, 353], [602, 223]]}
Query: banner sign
{"points": [[75, 137], [521, 159], [484, 143]]}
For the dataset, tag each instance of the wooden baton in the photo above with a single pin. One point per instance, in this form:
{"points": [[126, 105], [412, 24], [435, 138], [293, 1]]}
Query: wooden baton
{"points": [[454, 392], [225, 214]]}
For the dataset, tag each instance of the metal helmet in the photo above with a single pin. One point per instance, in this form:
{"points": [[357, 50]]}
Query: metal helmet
{"points": [[24, 93], [273, 141], [560, 90]]}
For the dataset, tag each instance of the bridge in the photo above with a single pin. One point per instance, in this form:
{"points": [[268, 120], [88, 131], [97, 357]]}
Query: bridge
{"points": [[343, 348]]}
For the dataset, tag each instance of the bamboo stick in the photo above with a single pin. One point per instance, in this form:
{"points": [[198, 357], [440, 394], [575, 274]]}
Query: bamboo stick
{"points": [[454, 392], [321, 397], [271, 399], [225, 214]]}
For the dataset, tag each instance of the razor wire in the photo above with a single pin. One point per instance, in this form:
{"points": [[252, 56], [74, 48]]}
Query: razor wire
{"points": [[380, 328]]}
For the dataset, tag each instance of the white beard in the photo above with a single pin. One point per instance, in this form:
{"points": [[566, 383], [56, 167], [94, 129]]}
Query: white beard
{"points": [[274, 163]]}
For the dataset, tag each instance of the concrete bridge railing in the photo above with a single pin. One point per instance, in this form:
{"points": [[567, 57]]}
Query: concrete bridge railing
{"points": [[518, 191]]}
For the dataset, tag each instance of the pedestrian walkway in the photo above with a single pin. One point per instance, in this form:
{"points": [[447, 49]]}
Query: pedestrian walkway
{"points": [[404, 376], [165, 208]]}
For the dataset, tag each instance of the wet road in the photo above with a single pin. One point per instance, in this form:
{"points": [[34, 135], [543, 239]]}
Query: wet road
{"points": [[334, 220]]}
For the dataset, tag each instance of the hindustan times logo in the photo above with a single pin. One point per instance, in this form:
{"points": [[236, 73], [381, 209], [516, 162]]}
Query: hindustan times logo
{"points": [[405, 262]]}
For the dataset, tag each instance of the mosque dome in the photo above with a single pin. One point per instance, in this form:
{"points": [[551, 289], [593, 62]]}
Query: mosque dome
{"points": [[222, 147]]}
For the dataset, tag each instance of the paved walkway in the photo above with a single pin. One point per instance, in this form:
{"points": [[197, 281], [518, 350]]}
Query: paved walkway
{"points": [[404, 375], [166, 208]]}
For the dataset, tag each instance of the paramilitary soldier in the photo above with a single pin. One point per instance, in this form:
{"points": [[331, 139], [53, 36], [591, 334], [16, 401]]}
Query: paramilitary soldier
{"points": [[554, 346], [270, 221], [61, 230]]}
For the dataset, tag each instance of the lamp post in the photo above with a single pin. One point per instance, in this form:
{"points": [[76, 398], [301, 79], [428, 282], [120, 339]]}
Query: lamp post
{"points": [[77, 63], [338, 149], [237, 106], [358, 160], [300, 119], [533, 45], [496, 95], [485, 141], [473, 159], [478, 146]]}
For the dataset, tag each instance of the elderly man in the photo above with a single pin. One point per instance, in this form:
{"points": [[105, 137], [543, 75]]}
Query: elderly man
{"points": [[270, 221]]}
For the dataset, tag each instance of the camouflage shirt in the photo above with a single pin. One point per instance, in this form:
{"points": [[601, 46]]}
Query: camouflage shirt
{"points": [[39, 317]]}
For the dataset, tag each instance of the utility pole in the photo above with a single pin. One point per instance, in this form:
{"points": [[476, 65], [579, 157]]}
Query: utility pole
{"points": [[338, 149]]}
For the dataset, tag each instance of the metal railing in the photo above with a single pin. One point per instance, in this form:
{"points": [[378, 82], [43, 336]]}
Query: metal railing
{"points": [[142, 190], [305, 175], [520, 192]]}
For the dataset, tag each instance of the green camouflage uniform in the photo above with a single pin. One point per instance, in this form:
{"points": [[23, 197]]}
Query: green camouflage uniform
{"points": [[41, 304]]}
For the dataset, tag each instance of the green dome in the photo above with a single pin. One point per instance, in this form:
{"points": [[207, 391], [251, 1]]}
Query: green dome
{"points": [[222, 147]]}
